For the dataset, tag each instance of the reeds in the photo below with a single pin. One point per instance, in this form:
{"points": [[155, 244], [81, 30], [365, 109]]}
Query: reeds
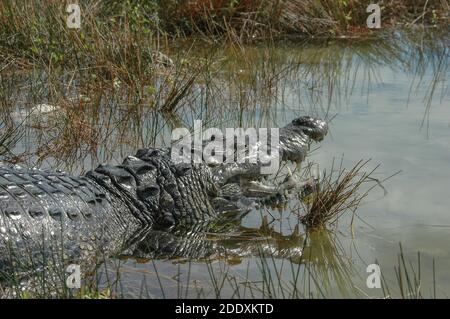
{"points": [[115, 37], [338, 192], [302, 264], [10, 134], [254, 19], [409, 282]]}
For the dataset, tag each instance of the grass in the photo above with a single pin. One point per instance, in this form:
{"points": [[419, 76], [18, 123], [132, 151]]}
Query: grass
{"points": [[339, 191], [275, 268], [323, 271], [409, 282], [10, 135], [108, 118], [255, 19], [123, 39]]}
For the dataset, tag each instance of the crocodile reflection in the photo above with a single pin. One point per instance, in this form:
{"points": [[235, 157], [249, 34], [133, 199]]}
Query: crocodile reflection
{"points": [[227, 240], [232, 242]]}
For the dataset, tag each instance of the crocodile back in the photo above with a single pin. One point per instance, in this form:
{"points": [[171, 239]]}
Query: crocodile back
{"points": [[43, 214]]}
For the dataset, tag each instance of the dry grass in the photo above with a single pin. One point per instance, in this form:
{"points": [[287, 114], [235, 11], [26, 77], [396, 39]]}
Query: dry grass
{"points": [[339, 191], [10, 134], [253, 19], [115, 37]]}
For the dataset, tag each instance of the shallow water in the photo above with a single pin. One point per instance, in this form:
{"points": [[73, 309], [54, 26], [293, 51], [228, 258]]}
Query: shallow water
{"points": [[390, 120], [392, 108]]}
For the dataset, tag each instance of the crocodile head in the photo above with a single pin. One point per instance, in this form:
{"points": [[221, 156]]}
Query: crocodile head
{"points": [[315, 128], [296, 137]]}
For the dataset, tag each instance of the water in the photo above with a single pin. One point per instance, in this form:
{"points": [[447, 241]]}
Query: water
{"points": [[385, 125], [389, 102]]}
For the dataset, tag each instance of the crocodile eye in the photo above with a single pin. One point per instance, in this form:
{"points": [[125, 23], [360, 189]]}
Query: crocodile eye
{"points": [[148, 191]]}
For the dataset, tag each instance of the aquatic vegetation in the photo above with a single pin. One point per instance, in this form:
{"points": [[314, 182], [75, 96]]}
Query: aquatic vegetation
{"points": [[125, 39], [9, 136], [339, 191], [250, 20]]}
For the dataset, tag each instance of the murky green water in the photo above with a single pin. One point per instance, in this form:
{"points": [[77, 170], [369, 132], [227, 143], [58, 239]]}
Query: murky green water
{"points": [[390, 102]]}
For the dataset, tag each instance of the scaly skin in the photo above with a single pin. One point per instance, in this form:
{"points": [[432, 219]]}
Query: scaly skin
{"points": [[112, 207], [48, 212]]}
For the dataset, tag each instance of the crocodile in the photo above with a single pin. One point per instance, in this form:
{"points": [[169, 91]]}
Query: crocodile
{"points": [[80, 219]]}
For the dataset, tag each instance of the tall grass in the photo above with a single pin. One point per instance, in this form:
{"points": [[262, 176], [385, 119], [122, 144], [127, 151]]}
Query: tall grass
{"points": [[339, 191], [115, 37], [10, 135], [409, 281], [254, 19]]}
